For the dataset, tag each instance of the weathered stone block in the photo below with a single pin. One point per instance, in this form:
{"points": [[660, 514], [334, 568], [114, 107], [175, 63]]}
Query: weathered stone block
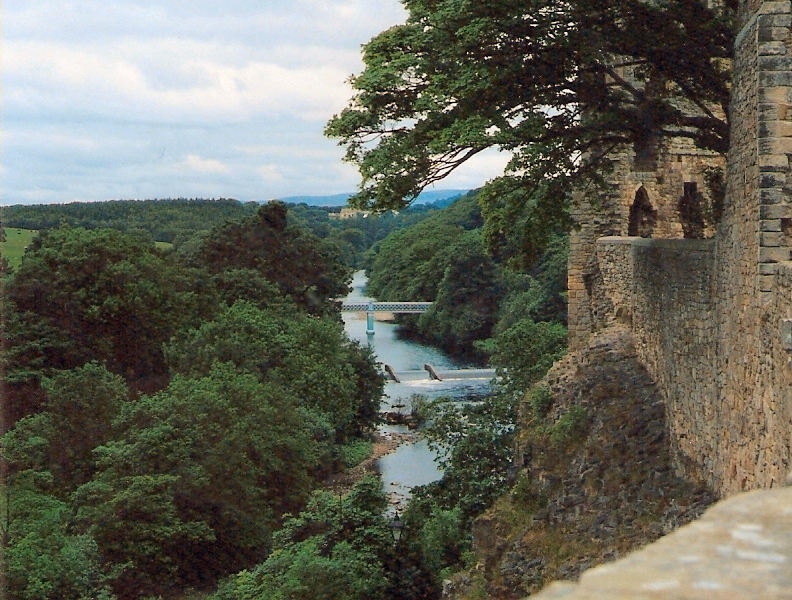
{"points": [[773, 162], [775, 211], [772, 195], [776, 48], [775, 145], [774, 95], [766, 283], [769, 111], [768, 268], [775, 63], [770, 225], [772, 239], [771, 255], [775, 78], [774, 8], [777, 129], [772, 34], [772, 180], [786, 334], [739, 549]]}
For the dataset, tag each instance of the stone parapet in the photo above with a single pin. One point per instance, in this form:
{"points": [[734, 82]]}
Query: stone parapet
{"points": [[739, 549]]}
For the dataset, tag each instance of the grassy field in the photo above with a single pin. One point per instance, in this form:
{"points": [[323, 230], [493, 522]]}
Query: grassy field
{"points": [[15, 244]]}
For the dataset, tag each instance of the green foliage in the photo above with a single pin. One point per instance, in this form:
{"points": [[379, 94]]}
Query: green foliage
{"points": [[251, 286], [173, 220], [193, 486], [302, 267], [337, 548], [524, 495], [474, 444], [354, 236], [42, 559], [537, 79], [571, 427], [355, 452], [521, 221], [466, 304], [524, 352], [540, 294], [541, 399], [129, 475], [405, 265], [84, 295], [441, 259], [442, 539], [80, 408], [336, 379]]}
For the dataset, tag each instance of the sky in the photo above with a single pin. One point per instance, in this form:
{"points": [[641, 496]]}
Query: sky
{"points": [[153, 99]]}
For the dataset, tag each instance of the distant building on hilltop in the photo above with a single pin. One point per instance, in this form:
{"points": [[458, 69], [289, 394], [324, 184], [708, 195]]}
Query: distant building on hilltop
{"points": [[348, 213]]}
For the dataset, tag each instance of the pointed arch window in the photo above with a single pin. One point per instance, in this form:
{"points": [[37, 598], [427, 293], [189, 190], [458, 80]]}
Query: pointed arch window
{"points": [[643, 217]]}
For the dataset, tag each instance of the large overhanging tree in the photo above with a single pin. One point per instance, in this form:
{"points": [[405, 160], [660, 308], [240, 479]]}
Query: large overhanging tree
{"points": [[552, 82]]}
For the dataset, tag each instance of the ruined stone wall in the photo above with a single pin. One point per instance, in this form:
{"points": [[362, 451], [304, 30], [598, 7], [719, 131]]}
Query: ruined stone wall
{"points": [[663, 181], [676, 166], [707, 316], [663, 291]]}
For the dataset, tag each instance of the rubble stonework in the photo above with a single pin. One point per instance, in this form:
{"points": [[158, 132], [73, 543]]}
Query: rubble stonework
{"points": [[707, 316]]}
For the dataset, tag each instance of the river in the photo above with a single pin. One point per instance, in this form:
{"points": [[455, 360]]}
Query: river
{"points": [[413, 463]]}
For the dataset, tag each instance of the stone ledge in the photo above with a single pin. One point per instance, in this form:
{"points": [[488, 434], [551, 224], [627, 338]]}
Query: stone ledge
{"points": [[740, 549], [706, 245]]}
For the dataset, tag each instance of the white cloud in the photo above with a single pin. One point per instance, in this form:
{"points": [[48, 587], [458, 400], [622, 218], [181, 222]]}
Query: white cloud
{"points": [[205, 165], [270, 172], [295, 152], [145, 99], [478, 170], [189, 82]]}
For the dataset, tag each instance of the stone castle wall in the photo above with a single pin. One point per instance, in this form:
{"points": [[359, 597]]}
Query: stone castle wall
{"points": [[662, 290], [708, 316], [675, 166], [753, 399]]}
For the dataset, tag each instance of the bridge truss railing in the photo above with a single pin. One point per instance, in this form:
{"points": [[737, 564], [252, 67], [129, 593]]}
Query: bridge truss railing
{"points": [[370, 307]]}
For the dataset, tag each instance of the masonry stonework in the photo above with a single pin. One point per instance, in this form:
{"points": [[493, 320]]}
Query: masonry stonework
{"points": [[707, 315]]}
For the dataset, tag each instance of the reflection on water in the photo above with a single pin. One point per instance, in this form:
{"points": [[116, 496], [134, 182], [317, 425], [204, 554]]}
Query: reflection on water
{"points": [[412, 463]]}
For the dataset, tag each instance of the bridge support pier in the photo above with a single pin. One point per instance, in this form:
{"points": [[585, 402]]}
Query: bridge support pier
{"points": [[370, 318]]}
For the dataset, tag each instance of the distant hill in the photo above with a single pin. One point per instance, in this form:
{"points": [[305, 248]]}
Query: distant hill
{"points": [[426, 197]]}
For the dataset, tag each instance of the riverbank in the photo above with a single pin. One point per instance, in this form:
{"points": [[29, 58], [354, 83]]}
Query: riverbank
{"points": [[384, 443]]}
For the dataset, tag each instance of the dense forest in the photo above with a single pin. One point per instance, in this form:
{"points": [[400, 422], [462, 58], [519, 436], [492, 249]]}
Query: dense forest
{"points": [[166, 410], [482, 306], [183, 223], [172, 220], [172, 411]]}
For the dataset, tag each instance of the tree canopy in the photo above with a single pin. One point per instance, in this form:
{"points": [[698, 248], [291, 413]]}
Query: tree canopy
{"points": [[82, 295], [561, 85], [301, 265]]}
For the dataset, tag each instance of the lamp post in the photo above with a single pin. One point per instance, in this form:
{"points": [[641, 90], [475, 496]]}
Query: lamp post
{"points": [[396, 528]]}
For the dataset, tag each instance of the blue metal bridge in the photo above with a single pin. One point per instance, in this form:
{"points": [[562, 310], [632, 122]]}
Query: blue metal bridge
{"points": [[370, 307]]}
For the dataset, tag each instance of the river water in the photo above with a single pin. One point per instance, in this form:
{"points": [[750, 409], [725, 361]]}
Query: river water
{"points": [[413, 463]]}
